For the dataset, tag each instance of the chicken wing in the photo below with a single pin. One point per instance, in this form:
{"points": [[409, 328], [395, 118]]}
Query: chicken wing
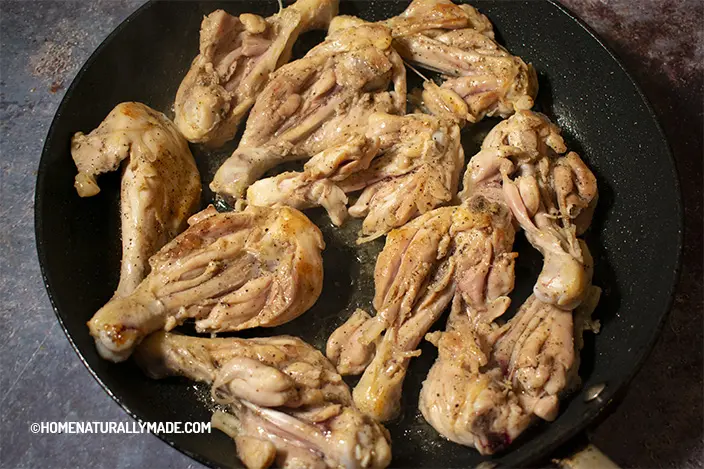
{"points": [[228, 271], [160, 185], [551, 195], [405, 165], [479, 77], [237, 54], [316, 103], [285, 402]]}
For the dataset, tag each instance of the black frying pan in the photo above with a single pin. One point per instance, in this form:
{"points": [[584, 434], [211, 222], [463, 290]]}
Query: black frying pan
{"points": [[635, 238]]}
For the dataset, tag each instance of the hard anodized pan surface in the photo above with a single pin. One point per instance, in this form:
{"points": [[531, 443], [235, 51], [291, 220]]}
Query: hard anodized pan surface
{"points": [[635, 237]]}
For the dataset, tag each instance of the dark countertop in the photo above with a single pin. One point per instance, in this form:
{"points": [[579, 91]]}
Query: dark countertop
{"points": [[42, 46]]}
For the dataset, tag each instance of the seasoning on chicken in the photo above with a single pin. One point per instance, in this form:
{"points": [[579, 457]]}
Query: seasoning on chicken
{"points": [[446, 253], [286, 404], [160, 186], [479, 77], [237, 54], [317, 102], [491, 382], [229, 271], [416, 170], [317, 184], [551, 195]]}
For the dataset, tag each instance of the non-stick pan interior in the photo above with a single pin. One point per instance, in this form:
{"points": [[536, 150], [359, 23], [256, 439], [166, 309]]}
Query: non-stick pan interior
{"points": [[635, 237]]}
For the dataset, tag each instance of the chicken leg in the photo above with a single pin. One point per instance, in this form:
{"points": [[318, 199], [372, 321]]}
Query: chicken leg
{"points": [[285, 402], [551, 195], [479, 77], [404, 166], [237, 54], [422, 267], [228, 271], [315, 103], [160, 185]]}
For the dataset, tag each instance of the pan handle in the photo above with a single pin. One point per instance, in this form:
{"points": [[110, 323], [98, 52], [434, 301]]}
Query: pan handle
{"points": [[587, 457]]}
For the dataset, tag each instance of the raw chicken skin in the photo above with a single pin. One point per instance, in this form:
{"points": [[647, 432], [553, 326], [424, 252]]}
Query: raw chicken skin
{"points": [[237, 54], [160, 186], [315, 103], [286, 404], [479, 77], [229, 271], [404, 165]]}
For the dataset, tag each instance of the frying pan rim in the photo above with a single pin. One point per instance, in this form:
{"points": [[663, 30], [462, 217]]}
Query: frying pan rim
{"points": [[611, 395]]}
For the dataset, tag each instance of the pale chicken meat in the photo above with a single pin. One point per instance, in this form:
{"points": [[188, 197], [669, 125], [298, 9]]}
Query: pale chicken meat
{"points": [[404, 165], [318, 183], [465, 405], [237, 55], [552, 196], [490, 383], [403, 274], [538, 351], [417, 170], [315, 103], [478, 77], [446, 253], [284, 402], [160, 186], [228, 271]]}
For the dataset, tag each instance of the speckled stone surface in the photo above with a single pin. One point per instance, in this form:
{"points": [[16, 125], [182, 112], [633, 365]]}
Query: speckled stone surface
{"points": [[42, 46]]}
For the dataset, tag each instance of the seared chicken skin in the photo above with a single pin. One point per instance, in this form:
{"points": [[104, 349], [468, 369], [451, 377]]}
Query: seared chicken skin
{"points": [[552, 196], [286, 404], [315, 103], [479, 77], [160, 186], [230, 271], [446, 253], [237, 54], [417, 169]]}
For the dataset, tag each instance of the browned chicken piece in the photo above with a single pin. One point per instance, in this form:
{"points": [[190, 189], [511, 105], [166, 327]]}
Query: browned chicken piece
{"points": [[237, 54], [286, 405], [229, 271], [490, 383], [316, 103], [416, 170], [479, 77], [551, 194], [446, 253], [160, 186]]}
